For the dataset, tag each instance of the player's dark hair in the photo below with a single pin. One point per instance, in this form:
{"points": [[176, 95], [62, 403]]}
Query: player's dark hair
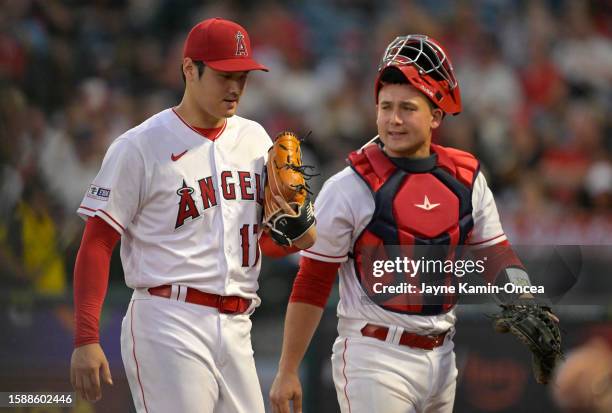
{"points": [[394, 76], [199, 64]]}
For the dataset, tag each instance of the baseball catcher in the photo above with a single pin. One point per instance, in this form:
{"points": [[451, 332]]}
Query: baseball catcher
{"points": [[398, 190], [288, 212], [538, 328]]}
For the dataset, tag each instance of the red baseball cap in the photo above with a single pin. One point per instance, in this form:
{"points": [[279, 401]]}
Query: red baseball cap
{"points": [[222, 45]]}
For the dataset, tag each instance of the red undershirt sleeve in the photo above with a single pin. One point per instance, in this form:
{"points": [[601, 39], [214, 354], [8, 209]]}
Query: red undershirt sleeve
{"points": [[499, 257], [271, 249], [314, 282], [91, 278]]}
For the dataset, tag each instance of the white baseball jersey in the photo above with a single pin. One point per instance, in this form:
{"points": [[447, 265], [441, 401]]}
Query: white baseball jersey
{"points": [[344, 208], [188, 209]]}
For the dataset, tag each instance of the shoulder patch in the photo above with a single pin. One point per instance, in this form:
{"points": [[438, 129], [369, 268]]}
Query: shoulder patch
{"points": [[99, 193]]}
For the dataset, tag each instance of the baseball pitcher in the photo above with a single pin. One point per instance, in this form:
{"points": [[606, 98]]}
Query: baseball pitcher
{"points": [[184, 191]]}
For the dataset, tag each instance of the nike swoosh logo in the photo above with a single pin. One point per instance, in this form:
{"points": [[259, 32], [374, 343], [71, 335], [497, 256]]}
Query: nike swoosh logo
{"points": [[177, 157]]}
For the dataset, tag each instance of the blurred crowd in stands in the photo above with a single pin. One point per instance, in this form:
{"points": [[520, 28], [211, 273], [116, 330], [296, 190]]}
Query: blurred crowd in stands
{"points": [[535, 77]]}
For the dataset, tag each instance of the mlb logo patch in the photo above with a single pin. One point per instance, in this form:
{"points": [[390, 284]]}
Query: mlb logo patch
{"points": [[99, 193]]}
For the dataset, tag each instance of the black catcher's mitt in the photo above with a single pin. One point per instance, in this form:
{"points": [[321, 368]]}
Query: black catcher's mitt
{"points": [[537, 328]]}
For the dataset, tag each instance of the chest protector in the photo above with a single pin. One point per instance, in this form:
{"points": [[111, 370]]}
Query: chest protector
{"points": [[421, 215]]}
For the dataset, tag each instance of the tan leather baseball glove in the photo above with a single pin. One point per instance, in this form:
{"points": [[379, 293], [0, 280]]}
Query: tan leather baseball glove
{"points": [[288, 211]]}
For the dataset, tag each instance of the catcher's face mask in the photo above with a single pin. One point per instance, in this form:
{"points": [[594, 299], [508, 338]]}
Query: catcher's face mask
{"points": [[426, 66]]}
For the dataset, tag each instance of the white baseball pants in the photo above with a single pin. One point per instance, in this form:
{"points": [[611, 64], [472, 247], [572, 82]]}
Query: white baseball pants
{"points": [[371, 375], [188, 358]]}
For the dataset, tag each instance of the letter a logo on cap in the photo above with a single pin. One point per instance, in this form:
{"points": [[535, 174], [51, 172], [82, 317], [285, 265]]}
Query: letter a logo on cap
{"points": [[241, 49]]}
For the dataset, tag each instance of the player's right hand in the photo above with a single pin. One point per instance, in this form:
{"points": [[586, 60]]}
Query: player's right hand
{"points": [[85, 366], [286, 387]]}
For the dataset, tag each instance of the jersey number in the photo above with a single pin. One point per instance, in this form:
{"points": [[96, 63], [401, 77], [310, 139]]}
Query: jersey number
{"points": [[246, 244]]}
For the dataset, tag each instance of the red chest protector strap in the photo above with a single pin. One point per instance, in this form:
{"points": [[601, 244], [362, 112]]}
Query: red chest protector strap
{"points": [[372, 165], [376, 168]]}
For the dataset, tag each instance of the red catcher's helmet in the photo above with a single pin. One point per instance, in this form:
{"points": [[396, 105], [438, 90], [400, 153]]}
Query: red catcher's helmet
{"points": [[427, 67]]}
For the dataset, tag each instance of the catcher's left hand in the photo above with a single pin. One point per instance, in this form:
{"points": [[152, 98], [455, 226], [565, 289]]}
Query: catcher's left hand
{"points": [[537, 328], [288, 211]]}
